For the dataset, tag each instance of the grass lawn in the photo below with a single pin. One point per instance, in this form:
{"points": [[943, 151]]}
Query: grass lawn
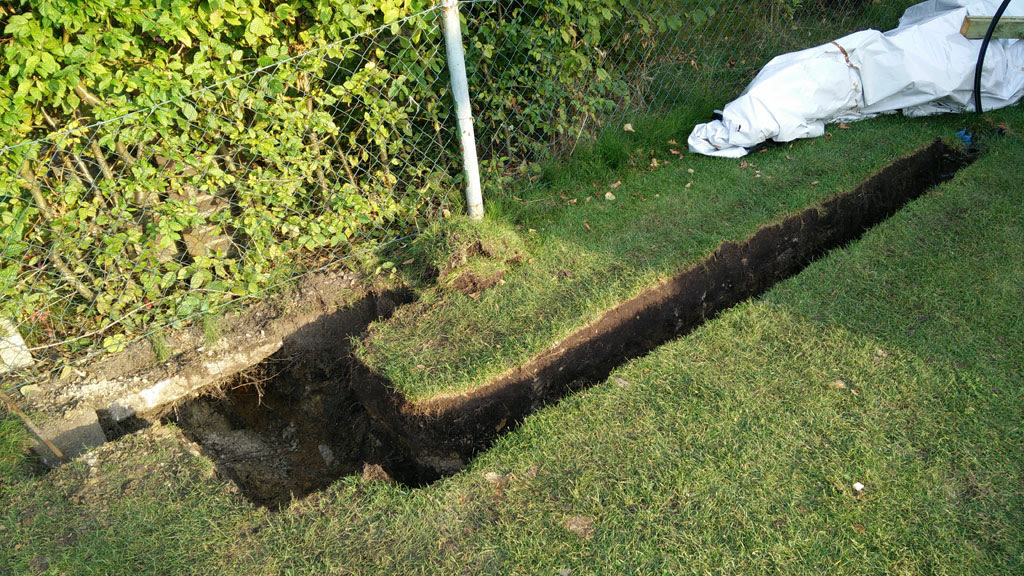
{"points": [[577, 253], [895, 362]]}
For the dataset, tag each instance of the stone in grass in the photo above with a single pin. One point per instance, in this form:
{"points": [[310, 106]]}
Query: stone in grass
{"points": [[13, 352], [30, 390], [498, 481], [582, 526]]}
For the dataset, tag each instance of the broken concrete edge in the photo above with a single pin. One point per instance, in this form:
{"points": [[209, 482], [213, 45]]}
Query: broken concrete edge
{"points": [[94, 383], [183, 386], [73, 435], [73, 413], [81, 429]]}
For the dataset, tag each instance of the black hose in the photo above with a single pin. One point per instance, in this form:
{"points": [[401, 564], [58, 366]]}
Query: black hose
{"points": [[981, 55]]}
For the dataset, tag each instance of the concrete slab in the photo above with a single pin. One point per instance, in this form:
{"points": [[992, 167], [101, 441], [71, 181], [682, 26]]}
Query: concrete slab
{"points": [[13, 352], [74, 434]]}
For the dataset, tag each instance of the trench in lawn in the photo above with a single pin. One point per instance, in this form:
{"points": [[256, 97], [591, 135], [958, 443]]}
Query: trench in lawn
{"points": [[313, 412]]}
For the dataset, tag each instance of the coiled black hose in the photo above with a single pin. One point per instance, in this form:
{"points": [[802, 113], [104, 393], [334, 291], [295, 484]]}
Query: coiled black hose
{"points": [[981, 54]]}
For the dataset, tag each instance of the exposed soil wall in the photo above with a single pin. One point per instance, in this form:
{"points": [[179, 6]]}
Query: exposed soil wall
{"points": [[292, 424]]}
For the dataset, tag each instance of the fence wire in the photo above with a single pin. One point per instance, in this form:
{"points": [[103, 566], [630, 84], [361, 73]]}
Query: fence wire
{"points": [[597, 65], [116, 224]]}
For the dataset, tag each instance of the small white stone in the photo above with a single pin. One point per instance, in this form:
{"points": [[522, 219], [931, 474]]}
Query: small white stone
{"points": [[837, 384], [326, 453], [30, 390], [13, 352]]}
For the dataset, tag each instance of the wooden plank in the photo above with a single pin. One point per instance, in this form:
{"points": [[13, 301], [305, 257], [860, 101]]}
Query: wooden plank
{"points": [[975, 27]]}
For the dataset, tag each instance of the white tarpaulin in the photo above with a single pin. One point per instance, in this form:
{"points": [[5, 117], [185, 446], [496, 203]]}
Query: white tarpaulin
{"points": [[924, 66]]}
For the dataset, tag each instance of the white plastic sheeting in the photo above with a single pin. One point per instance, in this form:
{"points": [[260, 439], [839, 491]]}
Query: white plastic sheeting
{"points": [[924, 66]]}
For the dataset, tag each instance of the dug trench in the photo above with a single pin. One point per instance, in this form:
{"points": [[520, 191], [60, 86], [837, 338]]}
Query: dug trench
{"points": [[314, 413]]}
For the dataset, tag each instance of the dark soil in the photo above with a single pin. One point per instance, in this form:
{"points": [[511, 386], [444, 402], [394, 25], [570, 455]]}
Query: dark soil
{"points": [[292, 425], [314, 413], [288, 435], [473, 283]]}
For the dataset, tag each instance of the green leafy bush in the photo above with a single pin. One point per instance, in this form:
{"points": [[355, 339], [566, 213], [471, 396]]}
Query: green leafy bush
{"points": [[207, 194], [179, 154], [183, 154]]}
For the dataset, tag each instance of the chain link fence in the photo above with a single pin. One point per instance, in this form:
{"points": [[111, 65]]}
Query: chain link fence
{"points": [[120, 220], [114, 227], [598, 65]]}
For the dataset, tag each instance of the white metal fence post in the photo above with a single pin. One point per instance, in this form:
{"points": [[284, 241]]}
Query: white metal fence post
{"points": [[460, 91]]}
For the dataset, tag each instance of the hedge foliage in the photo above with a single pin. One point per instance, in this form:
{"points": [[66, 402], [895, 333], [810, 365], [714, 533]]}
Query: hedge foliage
{"points": [[183, 154]]}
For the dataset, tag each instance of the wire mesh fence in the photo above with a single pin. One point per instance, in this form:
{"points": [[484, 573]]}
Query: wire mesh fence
{"points": [[122, 215], [115, 226], [570, 74]]}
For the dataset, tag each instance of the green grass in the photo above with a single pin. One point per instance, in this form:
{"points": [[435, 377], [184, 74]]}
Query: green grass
{"points": [[584, 254], [729, 451], [211, 329], [13, 439], [161, 350]]}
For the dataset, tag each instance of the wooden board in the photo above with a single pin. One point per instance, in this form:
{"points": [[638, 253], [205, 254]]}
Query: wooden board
{"points": [[976, 27]]}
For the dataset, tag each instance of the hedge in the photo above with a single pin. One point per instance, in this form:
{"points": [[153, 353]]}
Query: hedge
{"points": [[184, 154]]}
